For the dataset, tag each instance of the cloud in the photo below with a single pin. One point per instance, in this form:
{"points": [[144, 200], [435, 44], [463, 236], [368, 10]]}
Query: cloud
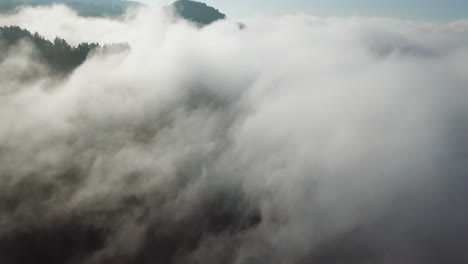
{"points": [[295, 140]]}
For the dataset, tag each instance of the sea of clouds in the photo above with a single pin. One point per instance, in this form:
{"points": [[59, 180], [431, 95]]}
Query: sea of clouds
{"points": [[298, 139]]}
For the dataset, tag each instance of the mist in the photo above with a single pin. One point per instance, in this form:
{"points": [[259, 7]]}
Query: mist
{"points": [[298, 139]]}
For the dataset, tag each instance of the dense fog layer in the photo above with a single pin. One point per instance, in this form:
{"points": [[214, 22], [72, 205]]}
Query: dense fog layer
{"points": [[295, 140]]}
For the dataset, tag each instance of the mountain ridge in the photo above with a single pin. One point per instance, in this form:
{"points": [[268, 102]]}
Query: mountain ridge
{"points": [[197, 12], [85, 8]]}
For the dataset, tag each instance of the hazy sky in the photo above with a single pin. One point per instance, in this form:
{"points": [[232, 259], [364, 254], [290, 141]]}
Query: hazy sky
{"points": [[408, 9]]}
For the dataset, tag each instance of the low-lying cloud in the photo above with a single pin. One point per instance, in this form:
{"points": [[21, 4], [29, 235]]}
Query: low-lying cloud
{"points": [[295, 140]]}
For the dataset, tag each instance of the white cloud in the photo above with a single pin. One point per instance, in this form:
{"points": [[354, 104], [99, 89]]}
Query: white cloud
{"points": [[347, 133]]}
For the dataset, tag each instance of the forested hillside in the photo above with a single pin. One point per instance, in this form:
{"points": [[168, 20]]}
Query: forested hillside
{"points": [[59, 55], [197, 12]]}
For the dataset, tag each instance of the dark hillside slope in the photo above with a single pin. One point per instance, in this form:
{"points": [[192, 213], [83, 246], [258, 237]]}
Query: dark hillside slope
{"points": [[197, 12], [58, 55]]}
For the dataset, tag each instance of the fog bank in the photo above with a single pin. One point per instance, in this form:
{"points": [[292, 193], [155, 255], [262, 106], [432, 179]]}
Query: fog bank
{"points": [[296, 140]]}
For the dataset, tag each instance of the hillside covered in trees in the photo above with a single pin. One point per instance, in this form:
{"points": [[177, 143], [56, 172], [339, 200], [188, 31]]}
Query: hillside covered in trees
{"points": [[58, 55], [86, 8], [197, 12]]}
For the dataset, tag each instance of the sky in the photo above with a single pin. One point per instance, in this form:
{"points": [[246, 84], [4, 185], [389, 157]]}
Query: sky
{"points": [[433, 10]]}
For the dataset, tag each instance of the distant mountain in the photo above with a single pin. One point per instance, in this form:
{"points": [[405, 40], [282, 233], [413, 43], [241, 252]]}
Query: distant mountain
{"points": [[87, 8], [197, 12]]}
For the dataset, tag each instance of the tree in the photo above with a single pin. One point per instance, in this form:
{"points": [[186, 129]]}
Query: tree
{"points": [[59, 55]]}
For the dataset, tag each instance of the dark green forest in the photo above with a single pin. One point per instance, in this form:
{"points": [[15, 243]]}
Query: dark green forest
{"points": [[197, 12], [58, 55]]}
